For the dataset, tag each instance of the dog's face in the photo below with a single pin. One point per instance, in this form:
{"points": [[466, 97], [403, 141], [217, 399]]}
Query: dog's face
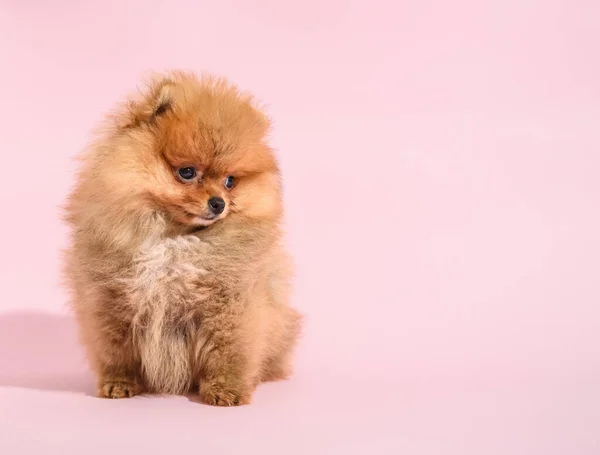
{"points": [[197, 151]]}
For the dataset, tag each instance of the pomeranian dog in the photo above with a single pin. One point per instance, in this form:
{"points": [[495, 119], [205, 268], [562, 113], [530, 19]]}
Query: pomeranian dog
{"points": [[179, 279]]}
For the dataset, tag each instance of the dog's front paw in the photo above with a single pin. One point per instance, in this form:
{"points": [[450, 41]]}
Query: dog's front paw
{"points": [[224, 393], [118, 389]]}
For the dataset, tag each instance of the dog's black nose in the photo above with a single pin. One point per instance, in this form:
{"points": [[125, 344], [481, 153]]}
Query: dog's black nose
{"points": [[216, 205]]}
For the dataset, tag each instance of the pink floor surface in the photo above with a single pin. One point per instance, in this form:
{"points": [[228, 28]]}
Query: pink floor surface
{"points": [[442, 175]]}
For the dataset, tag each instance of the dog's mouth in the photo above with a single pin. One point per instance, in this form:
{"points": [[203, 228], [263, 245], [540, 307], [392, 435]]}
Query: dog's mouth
{"points": [[201, 220]]}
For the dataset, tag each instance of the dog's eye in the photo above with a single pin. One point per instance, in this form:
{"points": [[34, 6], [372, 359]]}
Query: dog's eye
{"points": [[229, 181], [187, 173]]}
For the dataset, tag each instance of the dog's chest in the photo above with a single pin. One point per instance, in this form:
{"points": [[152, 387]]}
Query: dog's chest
{"points": [[168, 275], [168, 288]]}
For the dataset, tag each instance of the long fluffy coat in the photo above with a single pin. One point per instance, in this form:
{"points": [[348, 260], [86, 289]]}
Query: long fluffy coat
{"points": [[168, 302]]}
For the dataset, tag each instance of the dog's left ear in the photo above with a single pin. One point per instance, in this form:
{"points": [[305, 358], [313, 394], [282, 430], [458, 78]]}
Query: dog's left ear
{"points": [[155, 102]]}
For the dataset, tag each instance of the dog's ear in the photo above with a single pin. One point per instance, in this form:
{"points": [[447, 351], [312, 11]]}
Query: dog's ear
{"points": [[154, 102]]}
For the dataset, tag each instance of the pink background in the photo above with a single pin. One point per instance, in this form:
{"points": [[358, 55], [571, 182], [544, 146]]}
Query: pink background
{"points": [[442, 171]]}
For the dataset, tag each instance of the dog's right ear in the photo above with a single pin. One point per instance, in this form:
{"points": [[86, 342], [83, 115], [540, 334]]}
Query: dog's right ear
{"points": [[157, 101]]}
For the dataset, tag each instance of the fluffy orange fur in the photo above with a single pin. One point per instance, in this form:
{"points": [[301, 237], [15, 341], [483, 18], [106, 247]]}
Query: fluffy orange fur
{"points": [[170, 297]]}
